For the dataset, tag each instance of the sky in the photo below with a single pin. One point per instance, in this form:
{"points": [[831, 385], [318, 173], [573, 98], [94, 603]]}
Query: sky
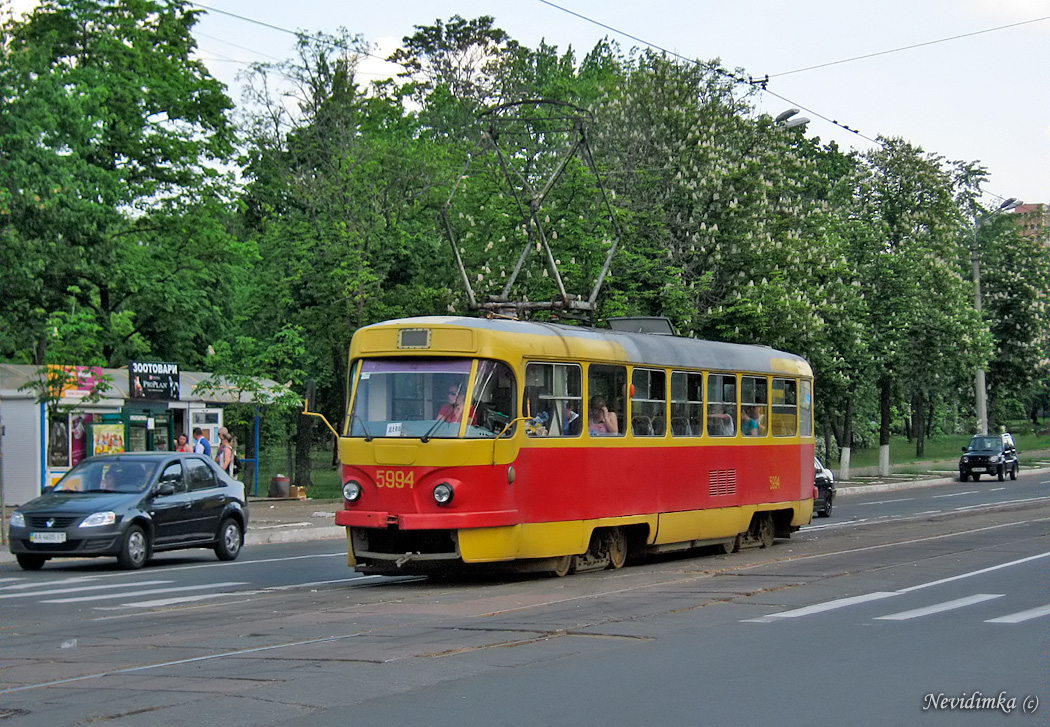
{"points": [[981, 96]]}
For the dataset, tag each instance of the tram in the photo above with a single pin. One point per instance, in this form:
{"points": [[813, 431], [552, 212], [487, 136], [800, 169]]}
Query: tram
{"points": [[488, 442]]}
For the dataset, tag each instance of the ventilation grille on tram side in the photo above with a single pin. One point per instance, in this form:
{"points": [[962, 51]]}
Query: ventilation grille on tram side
{"points": [[721, 483]]}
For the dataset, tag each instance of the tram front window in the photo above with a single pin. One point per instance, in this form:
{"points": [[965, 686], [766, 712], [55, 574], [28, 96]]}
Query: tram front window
{"points": [[431, 398]]}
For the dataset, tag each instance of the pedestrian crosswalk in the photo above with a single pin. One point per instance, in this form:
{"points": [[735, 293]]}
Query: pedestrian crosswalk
{"points": [[926, 610], [106, 593], [101, 592]]}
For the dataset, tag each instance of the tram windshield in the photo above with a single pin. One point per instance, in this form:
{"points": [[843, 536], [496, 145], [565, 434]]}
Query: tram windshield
{"points": [[431, 398]]}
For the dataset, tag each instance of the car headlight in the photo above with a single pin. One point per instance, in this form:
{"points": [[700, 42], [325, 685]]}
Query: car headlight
{"points": [[97, 519], [965, 458], [18, 520], [443, 493], [996, 459], [352, 491]]}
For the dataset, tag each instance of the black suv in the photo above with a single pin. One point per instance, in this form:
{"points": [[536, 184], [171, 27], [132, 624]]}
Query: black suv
{"points": [[989, 454]]}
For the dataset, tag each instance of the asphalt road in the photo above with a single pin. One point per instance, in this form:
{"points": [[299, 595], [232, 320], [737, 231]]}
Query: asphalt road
{"points": [[901, 600]]}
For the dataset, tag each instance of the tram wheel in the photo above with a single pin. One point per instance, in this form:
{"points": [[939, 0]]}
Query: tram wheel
{"points": [[732, 546], [766, 531], [563, 566], [616, 548]]}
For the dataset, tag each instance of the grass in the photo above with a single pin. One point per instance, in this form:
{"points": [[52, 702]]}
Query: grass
{"points": [[944, 447]]}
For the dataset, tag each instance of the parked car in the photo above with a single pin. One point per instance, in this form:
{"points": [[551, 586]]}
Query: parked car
{"points": [[824, 479], [989, 454], [131, 506]]}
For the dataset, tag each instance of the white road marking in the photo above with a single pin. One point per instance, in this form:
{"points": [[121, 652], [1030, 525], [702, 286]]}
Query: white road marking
{"points": [[956, 494], [76, 589], [853, 600], [1020, 616], [939, 607], [883, 502], [37, 584], [147, 592], [826, 606]]}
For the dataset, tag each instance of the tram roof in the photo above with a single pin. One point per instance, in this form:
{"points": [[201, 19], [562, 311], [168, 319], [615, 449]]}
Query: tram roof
{"points": [[638, 348]]}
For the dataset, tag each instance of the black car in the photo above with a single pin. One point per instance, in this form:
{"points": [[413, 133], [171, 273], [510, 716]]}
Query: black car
{"points": [[131, 506], [824, 479], [989, 454]]}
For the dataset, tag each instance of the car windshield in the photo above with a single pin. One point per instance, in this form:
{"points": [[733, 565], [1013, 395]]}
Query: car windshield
{"points": [[986, 443], [107, 475], [428, 398]]}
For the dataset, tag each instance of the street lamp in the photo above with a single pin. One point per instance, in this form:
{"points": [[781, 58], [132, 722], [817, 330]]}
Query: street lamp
{"points": [[975, 257], [782, 119]]}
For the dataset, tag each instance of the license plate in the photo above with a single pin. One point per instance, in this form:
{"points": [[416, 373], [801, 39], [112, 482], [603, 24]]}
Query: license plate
{"points": [[47, 537], [977, 469]]}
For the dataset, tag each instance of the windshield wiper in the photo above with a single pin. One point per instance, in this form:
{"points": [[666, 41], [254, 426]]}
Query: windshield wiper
{"points": [[364, 426], [440, 420]]}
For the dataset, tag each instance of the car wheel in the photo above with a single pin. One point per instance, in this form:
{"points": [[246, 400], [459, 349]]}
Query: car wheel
{"points": [[135, 550], [29, 561], [963, 477], [230, 540], [1013, 472], [828, 501], [1001, 473], [976, 477]]}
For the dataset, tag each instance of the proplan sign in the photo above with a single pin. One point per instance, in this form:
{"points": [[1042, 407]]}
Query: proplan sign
{"points": [[152, 380]]}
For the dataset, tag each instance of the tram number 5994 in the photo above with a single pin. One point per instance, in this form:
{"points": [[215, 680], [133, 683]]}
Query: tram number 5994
{"points": [[395, 479], [774, 482]]}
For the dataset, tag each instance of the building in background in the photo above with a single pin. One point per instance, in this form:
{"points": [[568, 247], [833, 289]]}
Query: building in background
{"points": [[1034, 220]]}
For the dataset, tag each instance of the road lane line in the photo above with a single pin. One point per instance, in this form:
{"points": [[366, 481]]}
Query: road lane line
{"points": [[939, 607], [1020, 616], [956, 494], [884, 502], [147, 592], [982, 571]]}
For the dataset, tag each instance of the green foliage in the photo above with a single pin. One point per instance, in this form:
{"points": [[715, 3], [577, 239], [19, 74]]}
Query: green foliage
{"points": [[120, 237]]}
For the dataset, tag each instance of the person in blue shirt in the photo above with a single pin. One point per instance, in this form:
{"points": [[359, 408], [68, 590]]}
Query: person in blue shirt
{"points": [[202, 446]]}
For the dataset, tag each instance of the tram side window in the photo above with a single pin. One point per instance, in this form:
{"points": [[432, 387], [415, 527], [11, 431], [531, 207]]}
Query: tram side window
{"points": [[648, 403], [785, 408], [806, 408], [754, 406], [721, 405], [687, 404], [553, 399], [606, 385]]}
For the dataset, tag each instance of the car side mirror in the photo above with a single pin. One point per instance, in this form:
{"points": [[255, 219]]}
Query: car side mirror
{"points": [[164, 489], [964, 449], [47, 489]]}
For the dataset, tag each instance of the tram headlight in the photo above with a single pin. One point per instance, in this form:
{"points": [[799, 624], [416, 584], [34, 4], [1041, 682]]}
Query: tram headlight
{"points": [[443, 493], [352, 491]]}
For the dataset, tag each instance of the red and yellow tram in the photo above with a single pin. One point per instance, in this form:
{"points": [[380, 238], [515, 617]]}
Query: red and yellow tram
{"points": [[485, 441]]}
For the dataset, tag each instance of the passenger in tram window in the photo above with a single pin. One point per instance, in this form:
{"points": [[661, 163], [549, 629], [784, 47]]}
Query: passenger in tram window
{"points": [[719, 423], [601, 421], [750, 425], [573, 420]]}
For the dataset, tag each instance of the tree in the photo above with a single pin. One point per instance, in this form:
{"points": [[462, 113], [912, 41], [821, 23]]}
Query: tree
{"points": [[909, 249], [111, 131]]}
